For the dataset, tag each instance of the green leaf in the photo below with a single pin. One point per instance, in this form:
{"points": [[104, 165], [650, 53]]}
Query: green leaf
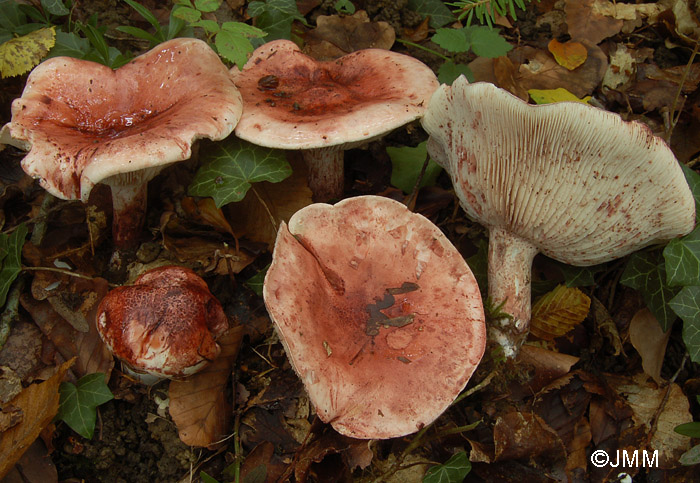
{"points": [[344, 6], [150, 18], [243, 29], [209, 25], [646, 272], [206, 478], [231, 165], [70, 45], [689, 429], [453, 470], [479, 264], [449, 71], [139, 33], [55, 7], [579, 276], [12, 261], [233, 47], [207, 5], [11, 16], [189, 15], [452, 40], [682, 257], [693, 180], [687, 305], [255, 283], [78, 403], [407, 163], [487, 42], [439, 14], [275, 17], [691, 457]]}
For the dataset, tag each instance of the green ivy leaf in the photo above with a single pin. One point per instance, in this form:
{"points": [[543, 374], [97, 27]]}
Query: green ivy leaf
{"points": [[687, 305], [693, 180], [255, 283], [407, 163], [344, 6], [439, 14], [231, 165], [452, 40], [12, 260], [207, 5], [55, 7], [646, 272], [579, 276], [682, 257], [487, 42], [449, 71], [78, 403], [454, 470], [275, 17], [691, 457], [691, 430]]}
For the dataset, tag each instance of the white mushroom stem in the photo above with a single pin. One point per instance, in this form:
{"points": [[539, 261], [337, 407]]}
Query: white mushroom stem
{"points": [[510, 276], [326, 172], [129, 213]]}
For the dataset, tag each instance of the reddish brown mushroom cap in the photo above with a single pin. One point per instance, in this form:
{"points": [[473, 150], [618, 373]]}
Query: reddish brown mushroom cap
{"points": [[379, 314], [295, 102], [86, 123], [165, 324]]}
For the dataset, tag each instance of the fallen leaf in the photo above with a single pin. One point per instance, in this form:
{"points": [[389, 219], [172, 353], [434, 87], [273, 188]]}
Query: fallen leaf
{"points": [[262, 464], [568, 54], [35, 466], [506, 73], [585, 23], [547, 365], [39, 404], [214, 255], [19, 55], [622, 68], [557, 312], [525, 435], [22, 350], [419, 33], [198, 403], [335, 35], [10, 385], [650, 341], [327, 444], [548, 96], [205, 212]]}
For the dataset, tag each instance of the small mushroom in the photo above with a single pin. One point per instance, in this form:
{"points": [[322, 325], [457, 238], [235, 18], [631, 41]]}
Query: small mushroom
{"points": [[295, 102], [571, 181], [379, 314], [165, 324], [85, 123]]}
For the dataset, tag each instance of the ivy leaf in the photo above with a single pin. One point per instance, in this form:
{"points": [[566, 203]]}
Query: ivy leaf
{"points": [[687, 305], [683, 259], [646, 272], [579, 276], [255, 283], [275, 17], [449, 71], [452, 40], [11, 260], [21, 54], [454, 470], [231, 165], [693, 180], [407, 163], [487, 42], [439, 14], [78, 403], [55, 7]]}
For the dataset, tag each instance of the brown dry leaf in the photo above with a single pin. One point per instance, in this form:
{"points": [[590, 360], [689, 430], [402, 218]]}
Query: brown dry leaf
{"points": [[35, 466], [216, 256], [262, 464], [622, 68], [205, 212], [650, 341], [645, 398], [577, 458], [568, 54], [22, 350], [39, 404], [335, 35], [525, 435], [687, 23], [250, 217], [420, 32], [557, 312], [536, 69], [586, 23], [505, 73], [198, 403], [328, 444], [548, 365]]}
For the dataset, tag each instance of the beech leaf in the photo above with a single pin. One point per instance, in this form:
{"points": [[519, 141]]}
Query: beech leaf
{"points": [[230, 166], [548, 96], [557, 312], [21, 54], [568, 54]]}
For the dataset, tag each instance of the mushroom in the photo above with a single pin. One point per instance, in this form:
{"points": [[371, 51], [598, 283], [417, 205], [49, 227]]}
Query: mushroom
{"points": [[322, 108], [165, 324], [86, 123], [379, 314], [568, 180]]}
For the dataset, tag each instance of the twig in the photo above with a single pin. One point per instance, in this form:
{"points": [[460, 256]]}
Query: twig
{"points": [[410, 203], [64, 272], [269, 213], [673, 118]]}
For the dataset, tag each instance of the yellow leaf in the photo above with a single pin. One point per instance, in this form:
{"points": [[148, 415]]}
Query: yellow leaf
{"points": [[558, 311], [569, 54], [548, 96], [21, 54]]}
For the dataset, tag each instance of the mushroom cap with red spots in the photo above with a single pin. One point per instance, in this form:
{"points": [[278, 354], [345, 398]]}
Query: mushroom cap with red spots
{"points": [[295, 102], [165, 324], [577, 182], [86, 123], [379, 314]]}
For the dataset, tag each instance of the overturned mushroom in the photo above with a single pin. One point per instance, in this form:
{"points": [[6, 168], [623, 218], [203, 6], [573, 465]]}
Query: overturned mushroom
{"points": [[573, 182], [295, 102], [165, 324], [379, 314], [85, 123]]}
